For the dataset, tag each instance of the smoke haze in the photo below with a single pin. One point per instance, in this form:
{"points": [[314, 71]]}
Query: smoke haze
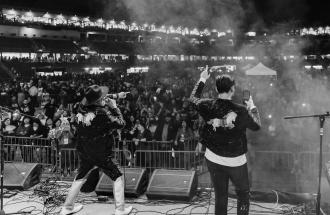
{"points": [[294, 93]]}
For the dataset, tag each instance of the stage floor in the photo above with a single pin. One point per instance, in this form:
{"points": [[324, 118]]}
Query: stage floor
{"points": [[32, 202]]}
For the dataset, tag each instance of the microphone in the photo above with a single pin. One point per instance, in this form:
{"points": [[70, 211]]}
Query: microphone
{"points": [[120, 95]]}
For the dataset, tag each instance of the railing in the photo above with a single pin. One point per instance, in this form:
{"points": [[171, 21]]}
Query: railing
{"points": [[298, 161], [158, 154], [188, 145], [68, 162], [30, 150], [303, 165], [142, 154]]}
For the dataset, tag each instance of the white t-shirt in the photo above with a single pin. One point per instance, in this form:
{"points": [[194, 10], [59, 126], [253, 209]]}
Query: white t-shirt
{"points": [[225, 161]]}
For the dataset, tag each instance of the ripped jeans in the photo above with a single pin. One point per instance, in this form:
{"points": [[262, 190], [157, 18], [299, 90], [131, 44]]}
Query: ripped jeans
{"points": [[220, 176]]}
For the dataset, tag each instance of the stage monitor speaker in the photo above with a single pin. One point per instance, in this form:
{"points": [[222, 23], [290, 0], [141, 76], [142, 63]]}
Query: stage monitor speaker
{"points": [[136, 181], [172, 185], [21, 176]]}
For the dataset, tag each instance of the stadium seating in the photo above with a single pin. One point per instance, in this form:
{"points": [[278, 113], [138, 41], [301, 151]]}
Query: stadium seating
{"points": [[15, 44]]}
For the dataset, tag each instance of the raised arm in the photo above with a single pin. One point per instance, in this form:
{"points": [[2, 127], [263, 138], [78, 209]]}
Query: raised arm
{"points": [[202, 105], [196, 94], [115, 115], [254, 122]]}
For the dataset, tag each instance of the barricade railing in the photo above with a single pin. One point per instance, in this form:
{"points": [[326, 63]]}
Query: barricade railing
{"points": [[168, 159], [301, 163], [141, 154], [158, 154], [30, 150], [68, 162], [189, 144], [273, 160]]}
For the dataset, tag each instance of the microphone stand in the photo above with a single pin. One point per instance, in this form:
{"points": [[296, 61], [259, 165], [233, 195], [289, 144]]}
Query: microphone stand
{"points": [[2, 212], [10, 110], [321, 120]]}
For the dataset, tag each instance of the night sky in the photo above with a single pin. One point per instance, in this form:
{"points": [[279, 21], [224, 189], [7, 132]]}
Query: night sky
{"points": [[199, 13]]}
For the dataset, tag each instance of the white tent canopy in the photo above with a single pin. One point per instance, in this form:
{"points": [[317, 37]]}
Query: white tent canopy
{"points": [[260, 69]]}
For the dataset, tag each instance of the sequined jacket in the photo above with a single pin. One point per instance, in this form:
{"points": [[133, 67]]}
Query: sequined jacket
{"points": [[94, 129], [224, 141]]}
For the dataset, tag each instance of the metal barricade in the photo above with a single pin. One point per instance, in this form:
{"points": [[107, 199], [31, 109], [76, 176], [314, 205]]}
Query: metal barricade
{"points": [[309, 161], [68, 162], [30, 150], [303, 161], [159, 154], [273, 160]]}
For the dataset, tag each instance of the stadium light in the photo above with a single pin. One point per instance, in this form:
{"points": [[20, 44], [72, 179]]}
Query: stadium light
{"points": [[29, 14], [185, 31], [100, 20], [206, 32], [12, 12], [317, 66], [327, 30], [251, 34], [320, 30], [75, 18], [60, 16], [46, 15]]}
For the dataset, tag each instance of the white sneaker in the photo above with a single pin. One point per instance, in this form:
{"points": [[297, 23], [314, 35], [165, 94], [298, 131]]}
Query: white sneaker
{"points": [[75, 209], [126, 211]]}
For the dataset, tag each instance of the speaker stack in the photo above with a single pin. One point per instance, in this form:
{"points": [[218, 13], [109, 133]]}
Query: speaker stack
{"points": [[136, 181], [164, 184], [21, 176], [172, 184]]}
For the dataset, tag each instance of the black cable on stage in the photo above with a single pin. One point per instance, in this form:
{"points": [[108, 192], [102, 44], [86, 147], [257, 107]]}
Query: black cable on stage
{"points": [[203, 199]]}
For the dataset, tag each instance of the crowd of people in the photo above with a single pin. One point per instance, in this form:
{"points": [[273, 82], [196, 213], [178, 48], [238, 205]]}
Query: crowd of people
{"points": [[46, 108]]}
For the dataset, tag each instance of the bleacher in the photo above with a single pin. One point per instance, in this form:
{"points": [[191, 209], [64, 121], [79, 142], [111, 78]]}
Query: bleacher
{"points": [[29, 45], [112, 47], [16, 44], [56, 46]]}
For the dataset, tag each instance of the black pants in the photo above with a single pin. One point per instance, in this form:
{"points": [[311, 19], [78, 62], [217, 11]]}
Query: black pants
{"points": [[107, 164], [220, 176]]}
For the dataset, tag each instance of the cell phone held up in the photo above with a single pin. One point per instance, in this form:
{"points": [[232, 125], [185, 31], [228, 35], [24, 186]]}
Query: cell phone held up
{"points": [[246, 96]]}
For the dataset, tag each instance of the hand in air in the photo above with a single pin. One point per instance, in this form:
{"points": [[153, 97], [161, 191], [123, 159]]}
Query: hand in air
{"points": [[122, 95], [249, 104], [111, 103], [206, 73]]}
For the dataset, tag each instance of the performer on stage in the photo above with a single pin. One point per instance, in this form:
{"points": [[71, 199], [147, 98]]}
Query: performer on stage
{"points": [[224, 136], [94, 126]]}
